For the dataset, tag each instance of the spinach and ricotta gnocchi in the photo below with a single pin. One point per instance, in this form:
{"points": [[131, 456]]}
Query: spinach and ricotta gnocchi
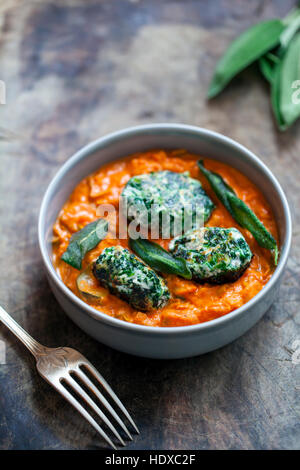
{"points": [[163, 288], [172, 202], [213, 254], [130, 279]]}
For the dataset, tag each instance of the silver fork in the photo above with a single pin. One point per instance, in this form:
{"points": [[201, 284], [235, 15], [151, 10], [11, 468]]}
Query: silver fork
{"points": [[61, 367]]}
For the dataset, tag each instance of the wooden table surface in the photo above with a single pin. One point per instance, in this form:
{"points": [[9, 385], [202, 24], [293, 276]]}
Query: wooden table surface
{"points": [[75, 70]]}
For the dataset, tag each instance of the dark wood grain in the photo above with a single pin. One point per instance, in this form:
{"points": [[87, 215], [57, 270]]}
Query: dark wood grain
{"points": [[74, 71]]}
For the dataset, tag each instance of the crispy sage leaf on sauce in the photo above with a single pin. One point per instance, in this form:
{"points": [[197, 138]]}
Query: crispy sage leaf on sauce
{"points": [[245, 50], [220, 187], [83, 241], [239, 210], [160, 259], [246, 218]]}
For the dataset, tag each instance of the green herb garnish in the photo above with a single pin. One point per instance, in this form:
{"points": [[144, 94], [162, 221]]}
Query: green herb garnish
{"points": [[267, 65], [160, 259], [243, 215], [275, 45], [289, 81], [83, 241], [245, 50]]}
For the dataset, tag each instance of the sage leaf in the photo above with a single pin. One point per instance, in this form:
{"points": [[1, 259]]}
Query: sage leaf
{"points": [[83, 241], [289, 83], [246, 218], [219, 186], [292, 15], [160, 259], [267, 65], [266, 68], [288, 33], [239, 210], [275, 97], [245, 50]]}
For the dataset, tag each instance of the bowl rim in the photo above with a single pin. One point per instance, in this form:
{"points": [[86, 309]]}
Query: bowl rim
{"points": [[128, 132]]}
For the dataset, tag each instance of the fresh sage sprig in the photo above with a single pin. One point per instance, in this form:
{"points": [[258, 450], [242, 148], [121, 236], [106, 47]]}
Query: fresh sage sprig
{"points": [[239, 210], [245, 50], [160, 259], [275, 46], [83, 241], [289, 79], [267, 65], [275, 96], [292, 25]]}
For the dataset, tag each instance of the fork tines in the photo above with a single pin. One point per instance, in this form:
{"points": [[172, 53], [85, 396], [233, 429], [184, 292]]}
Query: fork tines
{"points": [[76, 375]]}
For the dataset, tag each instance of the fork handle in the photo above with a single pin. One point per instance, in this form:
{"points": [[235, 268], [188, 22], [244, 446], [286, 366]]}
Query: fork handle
{"points": [[34, 347]]}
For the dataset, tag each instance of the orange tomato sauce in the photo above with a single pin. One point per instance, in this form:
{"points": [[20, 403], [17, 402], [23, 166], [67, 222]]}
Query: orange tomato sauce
{"points": [[190, 302]]}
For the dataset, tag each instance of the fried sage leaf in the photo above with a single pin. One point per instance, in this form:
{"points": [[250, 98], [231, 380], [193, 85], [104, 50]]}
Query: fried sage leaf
{"points": [[220, 187], [244, 216], [83, 241], [160, 259], [245, 50], [247, 219]]}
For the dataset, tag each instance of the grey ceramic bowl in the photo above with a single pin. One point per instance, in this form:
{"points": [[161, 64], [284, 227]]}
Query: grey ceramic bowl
{"points": [[172, 342]]}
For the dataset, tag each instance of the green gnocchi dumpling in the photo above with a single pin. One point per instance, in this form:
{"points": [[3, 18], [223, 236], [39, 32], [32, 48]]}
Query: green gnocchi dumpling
{"points": [[167, 200], [127, 277], [213, 254]]}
